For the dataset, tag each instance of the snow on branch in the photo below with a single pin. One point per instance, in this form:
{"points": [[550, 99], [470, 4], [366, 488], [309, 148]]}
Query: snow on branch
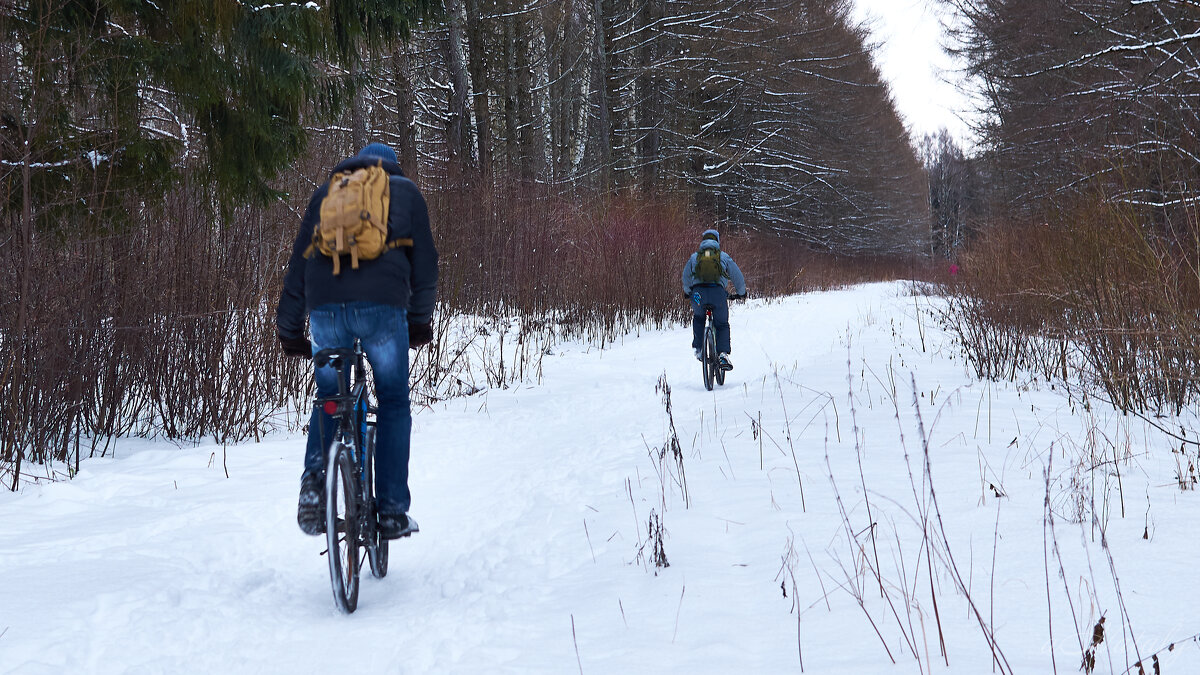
{"points": [[38, 165], [280, 5], [1144, 46]]}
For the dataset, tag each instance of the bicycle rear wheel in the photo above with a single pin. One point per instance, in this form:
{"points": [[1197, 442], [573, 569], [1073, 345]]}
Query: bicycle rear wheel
{"points": [[709, 365], [377, 546], [341, 528]]}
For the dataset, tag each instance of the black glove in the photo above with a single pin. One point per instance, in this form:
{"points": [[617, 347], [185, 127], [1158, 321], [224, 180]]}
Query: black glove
{"points": [[419, 334], [687, 296], [296, 346]]}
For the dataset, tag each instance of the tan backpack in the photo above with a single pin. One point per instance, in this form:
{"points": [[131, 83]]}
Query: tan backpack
{"points": [[354, 217]]}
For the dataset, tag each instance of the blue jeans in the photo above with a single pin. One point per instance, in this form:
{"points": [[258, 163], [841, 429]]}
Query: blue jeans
{"points": [[383, 331], [719, 299]]}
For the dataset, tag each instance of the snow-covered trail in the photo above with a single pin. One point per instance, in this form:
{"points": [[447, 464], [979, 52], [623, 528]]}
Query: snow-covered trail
{"points": [[534, 503]]}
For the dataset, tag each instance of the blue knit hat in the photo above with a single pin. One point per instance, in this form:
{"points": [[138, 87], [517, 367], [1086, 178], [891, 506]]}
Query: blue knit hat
{"points": [[378, 150], [711, 234]]}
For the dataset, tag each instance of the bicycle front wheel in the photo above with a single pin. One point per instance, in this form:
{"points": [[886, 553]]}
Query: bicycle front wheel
{"points": [[341, 528]]}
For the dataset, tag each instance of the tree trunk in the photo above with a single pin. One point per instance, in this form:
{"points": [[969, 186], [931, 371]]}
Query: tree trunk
{"points": [[458, 131], [524, 80], [553, 24], [358, 115], [480, 86], [649, 102], [405, 107], [20, 332], [602, 137], [512, 150]]}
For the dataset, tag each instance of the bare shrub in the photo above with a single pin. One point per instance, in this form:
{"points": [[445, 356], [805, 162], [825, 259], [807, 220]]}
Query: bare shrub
{"points": [[160, 329], [595, 265], [1100, 296]]}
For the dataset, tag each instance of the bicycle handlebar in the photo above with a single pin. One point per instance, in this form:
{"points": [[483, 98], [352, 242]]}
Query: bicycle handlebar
{"points": [[728, 296]]}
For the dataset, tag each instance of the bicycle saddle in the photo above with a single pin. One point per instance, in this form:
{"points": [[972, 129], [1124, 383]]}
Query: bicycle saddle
{"points": [[333, 357]]}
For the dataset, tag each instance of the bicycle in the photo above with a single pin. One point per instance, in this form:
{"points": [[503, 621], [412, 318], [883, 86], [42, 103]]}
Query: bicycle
{"points": [[351, 518], [710, 363]]}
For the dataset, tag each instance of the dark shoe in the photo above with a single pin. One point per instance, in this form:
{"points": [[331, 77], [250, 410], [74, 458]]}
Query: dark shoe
{"points": [[394, 527], [725, 363], [310, 515]]}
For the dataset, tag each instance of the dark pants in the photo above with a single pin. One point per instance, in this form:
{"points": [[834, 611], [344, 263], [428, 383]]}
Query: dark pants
{"points": [[715, 296], [383, 331]]}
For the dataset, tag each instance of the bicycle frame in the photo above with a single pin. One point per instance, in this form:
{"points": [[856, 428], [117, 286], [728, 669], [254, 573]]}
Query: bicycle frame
{"points": [[710, 366], [351, 406], [352, 443]]}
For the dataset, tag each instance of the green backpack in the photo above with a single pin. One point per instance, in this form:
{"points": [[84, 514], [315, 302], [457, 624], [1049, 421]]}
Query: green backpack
{"points": [[708, 265]]}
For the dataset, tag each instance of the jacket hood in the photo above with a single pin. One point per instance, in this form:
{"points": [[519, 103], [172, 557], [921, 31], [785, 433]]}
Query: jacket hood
{"points": [[709, 243], [714, 235]]}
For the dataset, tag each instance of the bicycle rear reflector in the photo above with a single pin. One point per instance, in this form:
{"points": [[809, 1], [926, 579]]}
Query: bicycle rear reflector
{"points": [[331, 407]]}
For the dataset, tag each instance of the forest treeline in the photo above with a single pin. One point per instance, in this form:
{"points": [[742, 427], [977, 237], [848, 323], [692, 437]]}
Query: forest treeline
{"points": [[770, 115], [155, 157], [1076, 221]]}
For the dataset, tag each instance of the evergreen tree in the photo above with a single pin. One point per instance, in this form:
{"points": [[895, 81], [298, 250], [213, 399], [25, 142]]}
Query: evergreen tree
{"points": [[125, 95]]}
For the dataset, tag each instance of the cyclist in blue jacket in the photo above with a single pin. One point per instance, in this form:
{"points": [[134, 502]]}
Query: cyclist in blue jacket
{"points": [[387, 304], [705, 277]]}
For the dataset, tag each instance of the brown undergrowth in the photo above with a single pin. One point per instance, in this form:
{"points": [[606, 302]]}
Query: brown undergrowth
{"points": [[166, 328], [1100, 296]]}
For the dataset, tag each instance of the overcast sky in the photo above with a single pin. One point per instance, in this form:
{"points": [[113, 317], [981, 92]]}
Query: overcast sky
{"points": [[924, 79]]}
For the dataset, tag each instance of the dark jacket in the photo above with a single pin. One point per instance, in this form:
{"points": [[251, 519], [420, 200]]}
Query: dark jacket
{"points": [[402, 277]]}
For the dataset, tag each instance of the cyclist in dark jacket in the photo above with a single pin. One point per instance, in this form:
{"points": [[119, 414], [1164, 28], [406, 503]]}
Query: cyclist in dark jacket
{"points": [[387, 304], [713, 293]]}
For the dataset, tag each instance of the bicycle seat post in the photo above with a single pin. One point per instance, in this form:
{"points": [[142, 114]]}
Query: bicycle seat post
{"points": [[338, 359], [360, 372]]}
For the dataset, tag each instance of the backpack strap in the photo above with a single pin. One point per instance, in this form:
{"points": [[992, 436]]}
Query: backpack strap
{"points": [[312, 244], [395, 243]]}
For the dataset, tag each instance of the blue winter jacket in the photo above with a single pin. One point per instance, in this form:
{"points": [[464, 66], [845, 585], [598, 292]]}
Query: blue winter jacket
{"points": [[402, 277], [730, 268]]}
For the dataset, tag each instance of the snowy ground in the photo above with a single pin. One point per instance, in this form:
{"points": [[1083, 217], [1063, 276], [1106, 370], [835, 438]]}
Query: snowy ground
{"points": [[535, 504]]}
